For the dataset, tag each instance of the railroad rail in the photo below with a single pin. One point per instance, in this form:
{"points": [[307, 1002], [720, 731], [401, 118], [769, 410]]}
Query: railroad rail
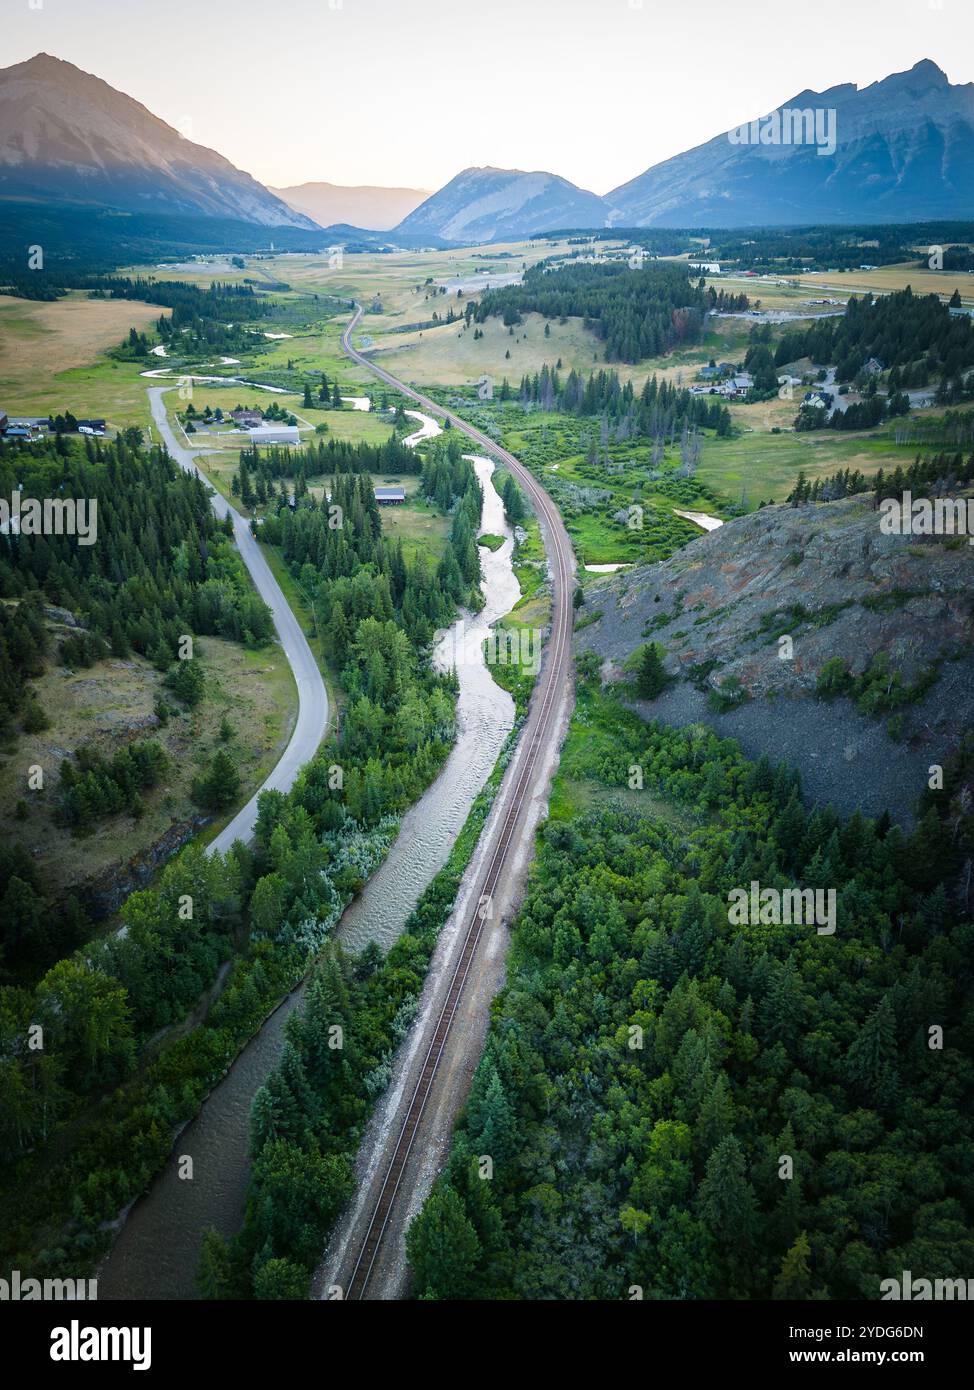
{"points": [[513, 796]]}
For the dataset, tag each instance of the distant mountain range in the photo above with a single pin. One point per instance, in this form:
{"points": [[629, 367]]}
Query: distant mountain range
{"points": [[899, 150], [903, 151], [361, 206], [70, 138]]}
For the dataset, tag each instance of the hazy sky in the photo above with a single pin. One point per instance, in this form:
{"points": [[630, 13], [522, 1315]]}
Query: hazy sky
{"points": [[408, 92]]}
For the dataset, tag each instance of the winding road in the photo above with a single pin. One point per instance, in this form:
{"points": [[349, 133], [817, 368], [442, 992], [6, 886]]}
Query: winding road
{"points": [[366, 1259], [312, 720]]}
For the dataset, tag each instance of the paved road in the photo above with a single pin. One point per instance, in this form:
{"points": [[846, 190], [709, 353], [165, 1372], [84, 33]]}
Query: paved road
{"points": [[410, 1137], [312, 718]]}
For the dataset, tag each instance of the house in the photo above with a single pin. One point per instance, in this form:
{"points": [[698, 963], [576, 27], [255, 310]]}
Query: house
{"points": [[873, 366], [737, 386], [275, 434], [390, 496], [709, 373], [247, 419]]}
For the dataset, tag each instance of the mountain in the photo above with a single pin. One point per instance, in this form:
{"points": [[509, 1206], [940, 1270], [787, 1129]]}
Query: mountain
{"points": [[504, 205], [67, 137], [904, 151], [362, 205]]}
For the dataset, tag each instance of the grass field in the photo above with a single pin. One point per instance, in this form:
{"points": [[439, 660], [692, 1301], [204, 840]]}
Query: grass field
{"points": [[51, 357], [896, 277], [113, 702], [764, 466]]}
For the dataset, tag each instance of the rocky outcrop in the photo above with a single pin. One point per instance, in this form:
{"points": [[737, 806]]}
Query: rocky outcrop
{"points": [[753, 611], [104, 894]]}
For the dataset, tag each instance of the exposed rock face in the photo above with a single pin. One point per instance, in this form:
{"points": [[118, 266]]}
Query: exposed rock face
{"points": [[826, 578], [103, 896]]}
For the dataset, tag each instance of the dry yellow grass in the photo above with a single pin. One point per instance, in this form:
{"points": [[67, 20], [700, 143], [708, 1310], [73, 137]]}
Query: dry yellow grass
{"points": [[49, 356], [896, 277]]}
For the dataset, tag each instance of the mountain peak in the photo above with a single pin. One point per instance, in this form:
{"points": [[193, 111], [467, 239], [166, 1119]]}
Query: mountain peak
{"points": [[930, 71], [67, 136], [490, 204], [902, 149]]}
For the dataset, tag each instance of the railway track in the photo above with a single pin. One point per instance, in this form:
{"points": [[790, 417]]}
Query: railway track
{"points": [[514, 798]]}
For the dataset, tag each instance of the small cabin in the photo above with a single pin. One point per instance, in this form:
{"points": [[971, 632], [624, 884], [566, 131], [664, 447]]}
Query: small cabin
{"points": [[390, 496]]}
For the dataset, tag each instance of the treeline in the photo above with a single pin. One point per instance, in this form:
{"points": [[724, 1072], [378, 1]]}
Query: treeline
{"points": [[261, 467], [24, 644], [915, 337], [636, 313], [201, 317], [161, 567], [342, 559], [954, 258], [798, 249], [191, 305], [697, 1110], [933, 475], [659, 410]]}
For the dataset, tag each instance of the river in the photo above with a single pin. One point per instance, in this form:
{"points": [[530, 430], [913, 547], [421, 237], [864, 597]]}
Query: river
{"points": [[157, 1251]]}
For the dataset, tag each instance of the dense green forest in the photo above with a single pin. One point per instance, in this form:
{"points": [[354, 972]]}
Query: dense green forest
{"points": [[915, 337], [214, 318], [678, 1108], [264, 469], [636, 313], [162, 565]]}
